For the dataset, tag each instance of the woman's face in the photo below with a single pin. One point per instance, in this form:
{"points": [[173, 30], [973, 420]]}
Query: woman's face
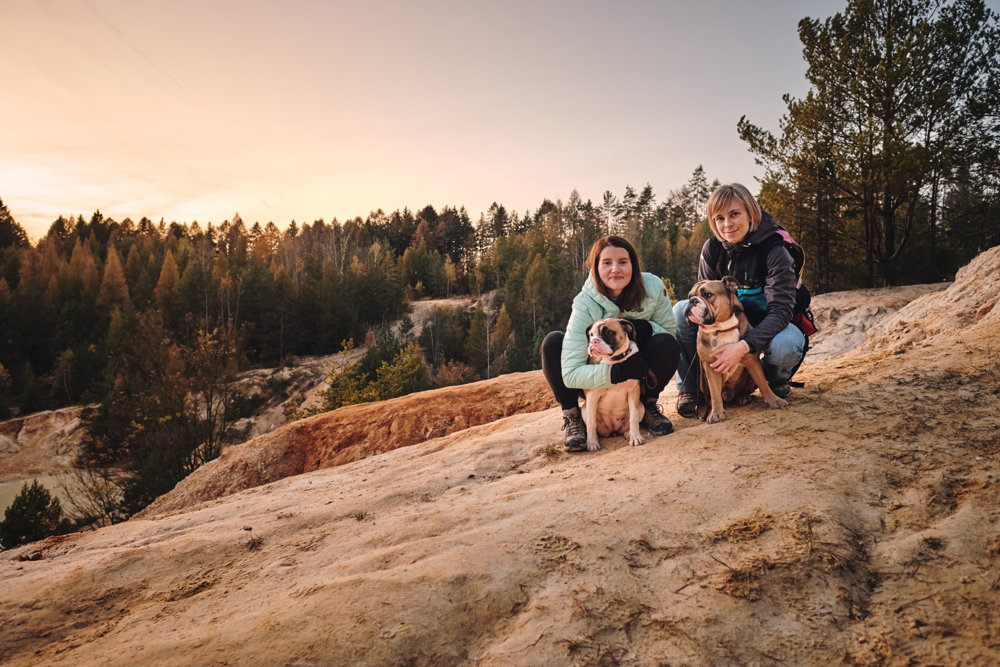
{"points": [[732, 222], [615, 269]]}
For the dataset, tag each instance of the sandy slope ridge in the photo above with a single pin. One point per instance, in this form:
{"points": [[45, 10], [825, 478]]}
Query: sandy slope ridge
{"points": [[861, 525]]}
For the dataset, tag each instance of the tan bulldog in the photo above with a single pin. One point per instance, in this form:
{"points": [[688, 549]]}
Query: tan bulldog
{"points": [[607, 411], [715, 308]]}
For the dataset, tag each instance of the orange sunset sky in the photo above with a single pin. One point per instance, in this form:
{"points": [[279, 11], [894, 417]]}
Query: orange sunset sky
{"points": [[197, 109]]}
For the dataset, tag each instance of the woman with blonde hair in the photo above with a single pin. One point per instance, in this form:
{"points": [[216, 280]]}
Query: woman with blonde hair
{"points": [[615, 287], [747, 246]]}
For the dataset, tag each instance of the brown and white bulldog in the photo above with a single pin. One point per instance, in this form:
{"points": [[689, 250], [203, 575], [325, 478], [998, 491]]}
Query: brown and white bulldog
{"points": [[715, 308], [607, 411]]}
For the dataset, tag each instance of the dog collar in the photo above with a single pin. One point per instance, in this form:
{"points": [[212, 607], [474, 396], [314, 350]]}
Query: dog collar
{"points": [[619, 356], [728, 325]]}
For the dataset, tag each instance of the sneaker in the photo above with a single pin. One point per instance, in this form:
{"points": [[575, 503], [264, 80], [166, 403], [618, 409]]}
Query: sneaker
{"points": [[654, 419], [687, 404], [781, 390], [576, 431]]}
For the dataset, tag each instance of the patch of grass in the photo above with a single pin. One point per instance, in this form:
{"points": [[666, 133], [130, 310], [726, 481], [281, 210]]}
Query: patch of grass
{"points": [[746, 529], [743, 582], [551, 452]]}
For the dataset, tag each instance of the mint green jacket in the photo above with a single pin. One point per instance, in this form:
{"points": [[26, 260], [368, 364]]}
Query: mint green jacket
{"points": [[589, 306]]}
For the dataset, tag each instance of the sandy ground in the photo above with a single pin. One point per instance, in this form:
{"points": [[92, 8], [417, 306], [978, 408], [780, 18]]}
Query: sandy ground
{"points": [[861, 525]]}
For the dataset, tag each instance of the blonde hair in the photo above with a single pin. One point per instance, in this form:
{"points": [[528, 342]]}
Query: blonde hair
{"points": [[724, 196]]}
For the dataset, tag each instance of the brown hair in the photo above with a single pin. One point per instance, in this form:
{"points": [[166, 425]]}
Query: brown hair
{"points": [[723, 197], [633, 293]]}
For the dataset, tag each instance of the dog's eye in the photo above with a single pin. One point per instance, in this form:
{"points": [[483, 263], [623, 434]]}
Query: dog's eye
{"points": [[705, 294]]}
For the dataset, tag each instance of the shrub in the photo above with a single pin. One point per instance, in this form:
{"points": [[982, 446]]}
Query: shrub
{"points": [[34, 514], [405, 374]]}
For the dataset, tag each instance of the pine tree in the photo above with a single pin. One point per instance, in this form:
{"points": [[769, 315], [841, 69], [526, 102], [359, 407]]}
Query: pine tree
{"points": [[32, 515], [537, 284], [113, 290], [503, 332], [476, 344], [83, 268], [902, 100], [11, 233], [168, 283], [133, 265]]}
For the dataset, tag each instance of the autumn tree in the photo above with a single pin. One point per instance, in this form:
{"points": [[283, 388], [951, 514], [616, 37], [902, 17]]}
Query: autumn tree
{"points": [[168, 283], [113, 290]]}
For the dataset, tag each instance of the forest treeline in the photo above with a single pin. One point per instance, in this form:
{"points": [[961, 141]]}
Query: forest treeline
{"points": [[89, 292]]}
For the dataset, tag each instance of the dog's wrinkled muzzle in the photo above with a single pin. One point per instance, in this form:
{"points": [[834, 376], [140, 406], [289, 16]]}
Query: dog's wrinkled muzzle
{"points": [[697, 312], [598, 348]]}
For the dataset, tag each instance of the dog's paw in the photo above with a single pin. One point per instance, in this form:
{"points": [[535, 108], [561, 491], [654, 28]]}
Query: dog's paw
{"points": [[716, 417], [777, 403], [593, 445], [635, 439]]}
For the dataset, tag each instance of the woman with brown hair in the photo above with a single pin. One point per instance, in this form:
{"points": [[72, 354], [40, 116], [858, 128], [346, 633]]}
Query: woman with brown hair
{"points": [[615, 287]]}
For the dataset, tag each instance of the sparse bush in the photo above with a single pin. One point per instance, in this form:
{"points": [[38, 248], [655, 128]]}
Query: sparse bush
{"points": [[277, 385], [94, 495], [244, 404], [455, 372]]}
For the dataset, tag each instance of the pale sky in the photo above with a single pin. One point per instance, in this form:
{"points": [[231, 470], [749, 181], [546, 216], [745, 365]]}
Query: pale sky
{"points": [[198, 109]]}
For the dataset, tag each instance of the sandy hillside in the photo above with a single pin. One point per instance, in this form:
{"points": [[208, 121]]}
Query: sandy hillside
{"points": [[859, 526]]}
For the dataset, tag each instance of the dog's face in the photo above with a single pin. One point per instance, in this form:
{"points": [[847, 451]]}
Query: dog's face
{"points": [[712, 301], [608, 337]]}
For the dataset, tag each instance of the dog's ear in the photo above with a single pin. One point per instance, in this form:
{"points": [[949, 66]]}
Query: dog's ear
{"points": [[696, 289], [629, 328], [733, 287]]}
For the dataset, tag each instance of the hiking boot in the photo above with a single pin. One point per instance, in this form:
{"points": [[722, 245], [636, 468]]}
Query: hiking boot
{"points": [[654, 420], [576, 431], [782, 389], [687, 404]]}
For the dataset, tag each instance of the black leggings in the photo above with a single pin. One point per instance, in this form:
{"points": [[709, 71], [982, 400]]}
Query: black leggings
{"points": [[661, 352]]}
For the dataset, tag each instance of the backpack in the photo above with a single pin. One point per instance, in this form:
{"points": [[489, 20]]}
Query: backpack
{"points": [[802, 315]]}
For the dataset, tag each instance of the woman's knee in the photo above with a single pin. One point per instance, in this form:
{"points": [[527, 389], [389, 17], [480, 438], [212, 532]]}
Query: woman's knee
{"points": [[687, 333], [787, 347], [552, 342], [662, 346]]}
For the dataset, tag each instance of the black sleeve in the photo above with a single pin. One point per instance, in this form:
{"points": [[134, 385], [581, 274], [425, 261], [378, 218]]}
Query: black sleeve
{"points": [[779, 289], [709, 259]]}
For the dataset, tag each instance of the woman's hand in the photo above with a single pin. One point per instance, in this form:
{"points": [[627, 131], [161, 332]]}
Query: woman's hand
{"points": [[728, 357]]}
